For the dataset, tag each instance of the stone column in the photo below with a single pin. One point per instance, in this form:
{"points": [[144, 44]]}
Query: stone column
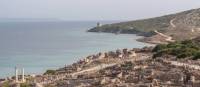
{"points": [[23, 80], [18, 85], [192, 78], [16, 74]]}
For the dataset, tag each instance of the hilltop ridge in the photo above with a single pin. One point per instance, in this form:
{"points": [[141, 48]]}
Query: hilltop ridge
{"points": [[178, 26]]}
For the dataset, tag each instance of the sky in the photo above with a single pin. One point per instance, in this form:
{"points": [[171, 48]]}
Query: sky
{"points": [[93, 9]]}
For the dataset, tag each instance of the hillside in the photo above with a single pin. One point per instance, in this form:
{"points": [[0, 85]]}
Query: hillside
{"points": [[179, 26], [125, 68], [167, 65]]}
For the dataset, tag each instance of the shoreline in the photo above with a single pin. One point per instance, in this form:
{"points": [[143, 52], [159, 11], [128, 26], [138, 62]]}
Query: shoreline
{"points": [[132, 67], [111, 42], [117, 68], [103, 58], [86, 55], [84, 59], [154, 39]]}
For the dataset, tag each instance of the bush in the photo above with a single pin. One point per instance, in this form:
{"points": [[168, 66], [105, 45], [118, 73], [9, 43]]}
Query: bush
{"points": [[25, 85], [159, 47], [50, 72], [127, 65], [6, 84], [196, 56], [182, 49]]}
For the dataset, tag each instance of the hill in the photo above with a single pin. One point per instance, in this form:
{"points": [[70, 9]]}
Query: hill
{"points": [[179, 26]]}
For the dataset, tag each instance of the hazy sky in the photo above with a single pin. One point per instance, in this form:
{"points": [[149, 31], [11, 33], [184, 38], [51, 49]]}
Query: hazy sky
{"points": [[93, 9]]}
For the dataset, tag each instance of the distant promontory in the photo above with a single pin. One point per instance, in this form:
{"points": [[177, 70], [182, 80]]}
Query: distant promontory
{"points": [[168, 28]]}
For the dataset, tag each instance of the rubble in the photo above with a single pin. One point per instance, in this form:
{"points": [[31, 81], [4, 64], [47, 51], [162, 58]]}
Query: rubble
{"points": [[125, 68]]}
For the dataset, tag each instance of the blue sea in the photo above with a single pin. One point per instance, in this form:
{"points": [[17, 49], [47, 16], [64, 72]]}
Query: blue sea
{"points": [[38, 46]]}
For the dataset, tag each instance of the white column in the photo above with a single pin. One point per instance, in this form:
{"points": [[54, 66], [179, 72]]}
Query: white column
{"points": [[23, 80], [16, 74]]}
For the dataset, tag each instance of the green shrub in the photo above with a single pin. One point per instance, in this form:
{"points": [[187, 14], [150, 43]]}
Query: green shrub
{"points": [[50, 72], [127, 65], [196, 56], [6, 84], [182, 49], [25, 85], [159, 47]]}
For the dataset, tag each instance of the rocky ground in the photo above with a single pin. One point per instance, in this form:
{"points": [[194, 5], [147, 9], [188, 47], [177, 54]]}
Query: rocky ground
{"points": [[122, 68], [137, 69]]}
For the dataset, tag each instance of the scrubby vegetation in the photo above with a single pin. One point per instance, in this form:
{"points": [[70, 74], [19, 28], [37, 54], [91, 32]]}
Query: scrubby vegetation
{"points": [[178, 26], [25, 85], [183, 49], [143, 27], [127, 65], [6, 84], [50, 72]]}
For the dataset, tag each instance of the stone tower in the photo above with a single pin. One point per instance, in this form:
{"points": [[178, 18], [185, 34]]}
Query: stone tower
{"points": [[98, 24]]}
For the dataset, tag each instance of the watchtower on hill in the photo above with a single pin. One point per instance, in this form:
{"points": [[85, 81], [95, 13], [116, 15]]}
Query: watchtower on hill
{"points": [[98, 24]]}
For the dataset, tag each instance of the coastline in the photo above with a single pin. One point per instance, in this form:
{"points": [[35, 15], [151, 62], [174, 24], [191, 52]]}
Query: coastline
{"points": [[41, 75], [64, 51], [94, 62], [94, 56], [154, 38], [130, 41], [122, 67]]}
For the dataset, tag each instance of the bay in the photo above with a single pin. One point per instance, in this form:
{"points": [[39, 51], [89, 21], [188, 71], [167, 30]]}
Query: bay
{"points": [[38, 46]]}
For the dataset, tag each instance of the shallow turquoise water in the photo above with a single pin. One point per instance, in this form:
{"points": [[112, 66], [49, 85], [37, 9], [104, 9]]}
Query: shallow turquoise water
{"points": [[37, 46]]}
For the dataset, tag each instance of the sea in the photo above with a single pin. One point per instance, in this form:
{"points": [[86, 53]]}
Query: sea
{"points": [[38, 46]]}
